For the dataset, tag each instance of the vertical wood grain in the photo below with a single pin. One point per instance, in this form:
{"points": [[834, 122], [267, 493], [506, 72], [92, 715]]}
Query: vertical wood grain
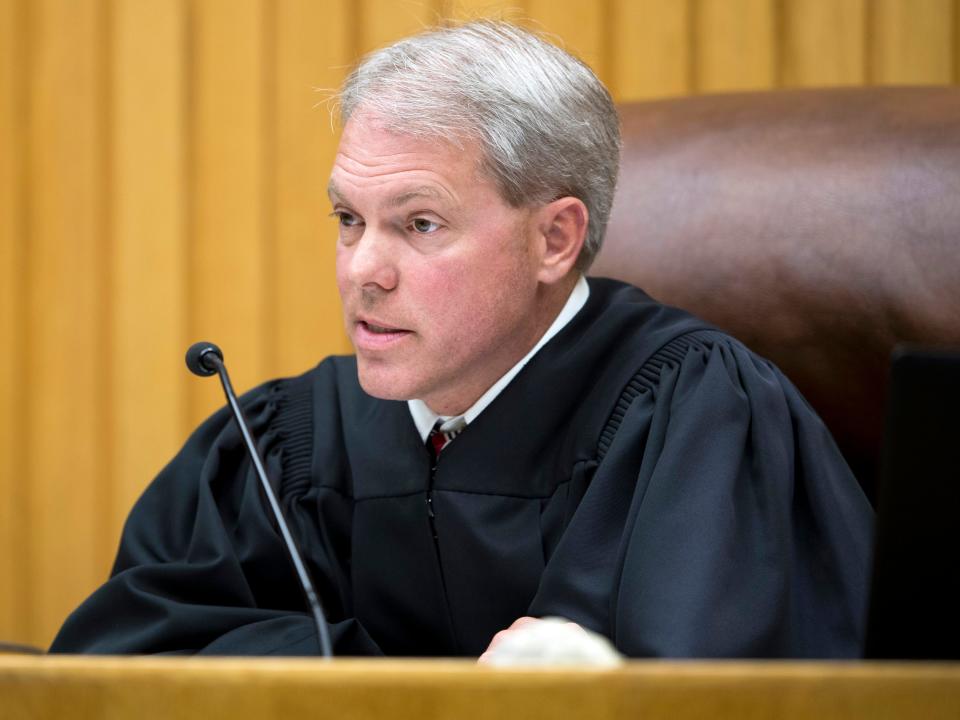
{"points": [[824, 43], [912, 41], [579, 27], [227, 286], [13, 393], [735, 45], [149, 258], [307, 320], [66, 443], [651, 41]]}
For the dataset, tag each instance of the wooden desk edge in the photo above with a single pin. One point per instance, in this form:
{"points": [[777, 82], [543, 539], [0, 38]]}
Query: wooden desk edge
{"points": [[147, 687]]}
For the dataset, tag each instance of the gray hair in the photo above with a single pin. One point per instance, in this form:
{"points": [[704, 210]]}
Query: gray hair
{"points": [[546, 124]]}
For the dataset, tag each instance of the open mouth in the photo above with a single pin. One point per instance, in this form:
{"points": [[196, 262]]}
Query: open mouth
{"points": [[378, 330], [370, 336]]}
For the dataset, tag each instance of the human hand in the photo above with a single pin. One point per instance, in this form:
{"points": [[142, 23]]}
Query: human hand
{"points": [[549, 641]]}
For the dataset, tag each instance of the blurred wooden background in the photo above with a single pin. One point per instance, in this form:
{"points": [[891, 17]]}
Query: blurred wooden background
{"points": [[162, 175]]}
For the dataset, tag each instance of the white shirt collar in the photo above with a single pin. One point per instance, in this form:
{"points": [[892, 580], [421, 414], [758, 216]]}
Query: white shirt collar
{"points": [[425, 418]]}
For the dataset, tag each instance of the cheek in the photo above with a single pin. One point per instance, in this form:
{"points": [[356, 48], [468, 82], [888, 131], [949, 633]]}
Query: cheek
{"points": [[474, 301], [342, 261]]}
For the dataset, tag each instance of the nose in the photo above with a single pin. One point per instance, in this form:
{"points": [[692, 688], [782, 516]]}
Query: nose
{"points": [[370, 262]]}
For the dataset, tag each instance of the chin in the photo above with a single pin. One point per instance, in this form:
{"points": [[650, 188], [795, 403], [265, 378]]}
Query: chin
{"points": [[385, 385]]}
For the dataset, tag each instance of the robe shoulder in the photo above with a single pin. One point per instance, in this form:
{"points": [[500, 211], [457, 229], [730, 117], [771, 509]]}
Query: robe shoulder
{"points": [[201, 567], [732, 525]]}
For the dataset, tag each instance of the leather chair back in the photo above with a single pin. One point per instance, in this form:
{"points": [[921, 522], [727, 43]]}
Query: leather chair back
{"points": [[822, 228]]}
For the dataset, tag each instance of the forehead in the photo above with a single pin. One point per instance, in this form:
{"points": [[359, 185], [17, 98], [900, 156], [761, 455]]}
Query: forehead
{"points": [[371, 155]]}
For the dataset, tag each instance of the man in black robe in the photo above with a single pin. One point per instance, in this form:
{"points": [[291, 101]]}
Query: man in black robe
{"points": [[510, 440]]}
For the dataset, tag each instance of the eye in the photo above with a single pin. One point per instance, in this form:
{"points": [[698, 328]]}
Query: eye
{"points": [[424, 226], [346, 219]]}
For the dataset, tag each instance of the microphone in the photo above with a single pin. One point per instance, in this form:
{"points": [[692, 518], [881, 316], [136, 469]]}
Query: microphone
{"points": [[206, 359]]}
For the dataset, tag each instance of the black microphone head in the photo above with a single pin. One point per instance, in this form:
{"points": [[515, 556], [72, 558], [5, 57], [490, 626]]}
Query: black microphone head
{"points": [[198, 358]]}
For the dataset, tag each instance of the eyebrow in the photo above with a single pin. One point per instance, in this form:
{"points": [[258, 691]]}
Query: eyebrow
{"points": [[424, 191], [332, 191]]}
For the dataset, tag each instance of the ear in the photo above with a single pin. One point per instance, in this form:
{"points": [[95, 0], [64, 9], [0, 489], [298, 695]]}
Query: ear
{"points": [[562, 228]]}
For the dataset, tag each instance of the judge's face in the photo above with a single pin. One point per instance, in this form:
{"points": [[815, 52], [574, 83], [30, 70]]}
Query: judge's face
{"points": [[436, 271]]}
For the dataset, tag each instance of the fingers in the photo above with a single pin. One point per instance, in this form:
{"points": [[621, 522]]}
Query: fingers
{"points": [[549, 641], [520, 622], [499, 637]]}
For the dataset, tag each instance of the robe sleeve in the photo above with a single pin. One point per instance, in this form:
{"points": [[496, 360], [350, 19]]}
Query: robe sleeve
{"points": [[721, 521], [201, 566]]}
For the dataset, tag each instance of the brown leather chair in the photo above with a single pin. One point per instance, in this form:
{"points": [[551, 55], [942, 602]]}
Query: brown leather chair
{"points": [[821, 227]]}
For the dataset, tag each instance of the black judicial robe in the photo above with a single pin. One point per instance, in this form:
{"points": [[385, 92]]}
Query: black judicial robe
{"points": [[645, 475]]}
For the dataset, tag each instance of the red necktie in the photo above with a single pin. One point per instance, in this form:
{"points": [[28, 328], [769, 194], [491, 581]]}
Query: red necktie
{"points": [[439, 439]]}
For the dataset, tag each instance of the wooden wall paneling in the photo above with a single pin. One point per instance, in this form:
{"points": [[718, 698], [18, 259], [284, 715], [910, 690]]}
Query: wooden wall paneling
{"points": [[149, 258], [380, 22], [227, 292], [579, 27], [824, 43], [735, 45], [13, 393], [651, 49], [307, 323], [66, 443], [912, 41]]}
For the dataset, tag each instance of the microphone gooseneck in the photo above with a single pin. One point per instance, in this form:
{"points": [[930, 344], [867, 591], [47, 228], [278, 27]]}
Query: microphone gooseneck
{"points": [[205, 359]]}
